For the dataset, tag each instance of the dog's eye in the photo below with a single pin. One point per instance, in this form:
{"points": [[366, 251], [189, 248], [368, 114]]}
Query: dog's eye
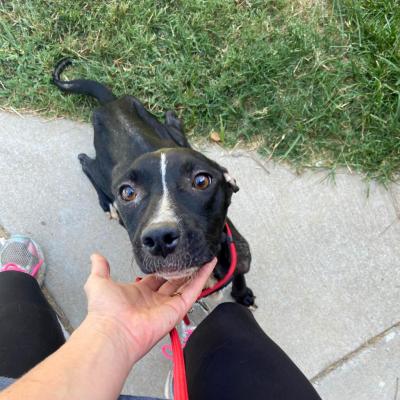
{"points": [[127, 193], [201, 181]]}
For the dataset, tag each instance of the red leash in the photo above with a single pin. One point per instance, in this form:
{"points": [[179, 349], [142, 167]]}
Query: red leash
{"points": [[180, 384]]}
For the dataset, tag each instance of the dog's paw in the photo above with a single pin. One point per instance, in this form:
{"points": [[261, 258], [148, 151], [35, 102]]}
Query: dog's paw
{"points": [[246, 297], [83, 158], [113, 213]]}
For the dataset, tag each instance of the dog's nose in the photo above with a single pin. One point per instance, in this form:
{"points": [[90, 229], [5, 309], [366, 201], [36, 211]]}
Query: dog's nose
{"points": [[160, 239]]}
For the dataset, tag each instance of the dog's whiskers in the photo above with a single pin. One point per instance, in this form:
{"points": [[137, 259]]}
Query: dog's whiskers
{"points": [[132, 264], [173, 263]]}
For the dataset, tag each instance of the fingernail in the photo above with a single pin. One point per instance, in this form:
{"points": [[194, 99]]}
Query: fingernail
{"points": [[95, 255]]}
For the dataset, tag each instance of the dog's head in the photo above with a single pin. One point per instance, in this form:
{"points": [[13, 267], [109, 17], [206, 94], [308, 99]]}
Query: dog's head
{"points": [[173, 203]]}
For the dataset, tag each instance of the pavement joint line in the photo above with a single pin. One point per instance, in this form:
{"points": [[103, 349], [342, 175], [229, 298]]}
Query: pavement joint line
{"points": [[349, 356]]}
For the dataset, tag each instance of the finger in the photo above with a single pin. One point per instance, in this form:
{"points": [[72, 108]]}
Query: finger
{"points": [[100, 266], [154, 282], [191, 290]]}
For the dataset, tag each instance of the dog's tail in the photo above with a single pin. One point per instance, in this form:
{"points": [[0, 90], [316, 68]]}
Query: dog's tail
{"points": [[81, 86]]}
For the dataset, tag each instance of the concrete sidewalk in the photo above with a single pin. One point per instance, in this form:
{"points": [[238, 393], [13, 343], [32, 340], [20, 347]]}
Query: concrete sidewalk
{"points": [[326, 255]]}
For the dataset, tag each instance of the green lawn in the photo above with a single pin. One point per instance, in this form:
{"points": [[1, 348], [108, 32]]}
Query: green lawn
{"points": [[316, 83]]}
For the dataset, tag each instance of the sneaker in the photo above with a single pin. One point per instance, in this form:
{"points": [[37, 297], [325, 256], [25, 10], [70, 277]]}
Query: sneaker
{"points": [[20, 253]]}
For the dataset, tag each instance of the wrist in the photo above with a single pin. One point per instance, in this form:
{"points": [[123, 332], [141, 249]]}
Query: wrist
{"points": [[113, 334], [93, 364]]}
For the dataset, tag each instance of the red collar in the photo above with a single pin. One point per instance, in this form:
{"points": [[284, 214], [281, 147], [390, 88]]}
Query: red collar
{"points": [[232, 266]]}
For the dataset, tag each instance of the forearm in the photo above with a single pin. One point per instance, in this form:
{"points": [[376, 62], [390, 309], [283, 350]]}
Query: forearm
{"points": [[93, 364]]}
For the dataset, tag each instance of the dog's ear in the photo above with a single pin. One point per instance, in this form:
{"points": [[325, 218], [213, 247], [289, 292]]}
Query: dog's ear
{"points": [[231, 181], [174, 127]]}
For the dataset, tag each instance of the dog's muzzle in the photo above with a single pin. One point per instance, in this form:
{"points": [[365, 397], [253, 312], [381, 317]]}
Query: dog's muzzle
{"points": [[160, 239]]}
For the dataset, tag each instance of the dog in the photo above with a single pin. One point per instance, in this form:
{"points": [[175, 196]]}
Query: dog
{"points": [[171, 199]]}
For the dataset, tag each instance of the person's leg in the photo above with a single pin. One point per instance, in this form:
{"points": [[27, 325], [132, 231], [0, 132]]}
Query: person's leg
{"points": [[229, 356], [29, 329]]}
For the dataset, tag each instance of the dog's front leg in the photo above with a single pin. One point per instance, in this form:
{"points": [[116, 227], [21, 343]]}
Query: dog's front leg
{"points": [[90, 170], [240, 292]]}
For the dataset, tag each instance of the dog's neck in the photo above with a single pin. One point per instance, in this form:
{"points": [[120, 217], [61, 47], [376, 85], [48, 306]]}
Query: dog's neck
{"points": [[223, 257]]}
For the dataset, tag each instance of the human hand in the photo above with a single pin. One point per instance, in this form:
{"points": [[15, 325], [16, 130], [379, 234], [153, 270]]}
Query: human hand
{"points": [[139, 314]]}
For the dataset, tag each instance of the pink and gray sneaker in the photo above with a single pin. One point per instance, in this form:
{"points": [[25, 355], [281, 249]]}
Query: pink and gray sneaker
{"points": [[21, 253]]}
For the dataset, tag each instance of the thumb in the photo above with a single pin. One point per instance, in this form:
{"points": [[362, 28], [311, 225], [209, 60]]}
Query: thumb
{"points": [[100, 266]]}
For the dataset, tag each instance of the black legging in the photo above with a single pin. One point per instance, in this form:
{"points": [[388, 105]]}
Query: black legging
{"points": [[29, 330], [227, 357]]}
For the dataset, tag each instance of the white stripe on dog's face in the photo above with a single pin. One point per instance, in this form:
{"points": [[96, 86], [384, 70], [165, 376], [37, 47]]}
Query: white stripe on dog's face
{"points": [[165, 211]]}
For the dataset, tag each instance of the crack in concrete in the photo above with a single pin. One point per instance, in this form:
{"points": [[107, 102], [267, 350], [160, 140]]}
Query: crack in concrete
{"points": [[349, 356], [396, 206], [251, 156]]}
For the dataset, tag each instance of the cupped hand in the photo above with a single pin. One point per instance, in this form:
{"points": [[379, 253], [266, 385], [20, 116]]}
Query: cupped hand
{"points": [[139, 314]]}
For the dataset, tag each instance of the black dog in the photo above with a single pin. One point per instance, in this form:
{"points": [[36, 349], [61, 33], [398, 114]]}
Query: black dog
{"points": [[171, 199]]}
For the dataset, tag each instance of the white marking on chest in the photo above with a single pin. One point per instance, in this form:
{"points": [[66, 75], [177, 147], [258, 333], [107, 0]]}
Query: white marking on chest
{"points": [[165, 210]]}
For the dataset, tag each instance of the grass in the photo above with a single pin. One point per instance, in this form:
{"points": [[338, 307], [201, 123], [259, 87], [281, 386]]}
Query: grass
{"points": [[314, 83]]}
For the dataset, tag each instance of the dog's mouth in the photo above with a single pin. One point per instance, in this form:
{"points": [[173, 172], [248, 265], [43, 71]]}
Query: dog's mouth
{"points": [[177, 265], [179, 274]]}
